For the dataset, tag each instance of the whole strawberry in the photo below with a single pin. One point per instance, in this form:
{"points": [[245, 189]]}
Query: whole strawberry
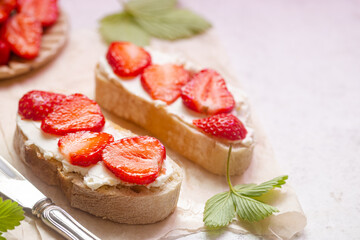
{"points": [[223, 125], [36, 105]]}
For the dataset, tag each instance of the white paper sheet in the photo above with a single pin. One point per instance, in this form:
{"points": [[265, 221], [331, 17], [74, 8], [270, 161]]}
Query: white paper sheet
{"points": [[73, 71]]}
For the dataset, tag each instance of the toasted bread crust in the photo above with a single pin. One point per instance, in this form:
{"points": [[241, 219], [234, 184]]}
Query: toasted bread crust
{"points": [[191, 143], [122, 204]]}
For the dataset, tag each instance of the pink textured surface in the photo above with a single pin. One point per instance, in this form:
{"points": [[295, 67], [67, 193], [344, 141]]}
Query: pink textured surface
{"points": [[299, 62]]}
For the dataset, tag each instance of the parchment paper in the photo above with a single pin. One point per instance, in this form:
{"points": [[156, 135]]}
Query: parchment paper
{"points": [[73, 71]]}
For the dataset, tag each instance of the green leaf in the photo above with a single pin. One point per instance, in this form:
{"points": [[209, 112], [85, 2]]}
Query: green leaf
{"points": [[250, 209], [10, 215], [158, 18], [149, 7], [173, 24], [219, 210], [244, 186], [253, 190], [122, 27], [2, 238]]}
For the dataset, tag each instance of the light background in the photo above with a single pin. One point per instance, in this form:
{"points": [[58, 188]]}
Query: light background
{"points": [[299, 62]]}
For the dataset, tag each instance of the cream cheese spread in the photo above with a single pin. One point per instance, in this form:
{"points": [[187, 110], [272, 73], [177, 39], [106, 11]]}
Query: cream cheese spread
{"points": [[177, 108], [96, 175]]}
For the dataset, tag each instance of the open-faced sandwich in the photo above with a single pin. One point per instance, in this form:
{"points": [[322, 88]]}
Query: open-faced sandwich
{"points": [[32, 32], [190, 109], [102, 168]]}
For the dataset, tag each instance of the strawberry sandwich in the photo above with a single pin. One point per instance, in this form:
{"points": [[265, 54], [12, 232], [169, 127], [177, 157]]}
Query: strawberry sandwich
{"points": [[102, 168], [191, 109]]}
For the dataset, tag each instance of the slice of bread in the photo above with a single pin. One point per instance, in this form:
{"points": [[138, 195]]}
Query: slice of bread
{"points": [[122, 204], [209, 152]]}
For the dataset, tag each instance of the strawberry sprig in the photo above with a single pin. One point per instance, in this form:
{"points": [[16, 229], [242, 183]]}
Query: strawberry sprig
{"points": [[241, 201]]}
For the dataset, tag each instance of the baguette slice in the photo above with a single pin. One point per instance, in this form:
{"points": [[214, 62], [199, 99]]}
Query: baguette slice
{"points": [[122, 204], [209, 152]]}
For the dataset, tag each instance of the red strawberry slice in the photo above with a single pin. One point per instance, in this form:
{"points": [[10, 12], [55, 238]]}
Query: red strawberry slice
{"points": [[84, 148], [6, 7], [135, 159], [223, 126], [45, 11], [164, 82], [127, 59], [23, 34], [4, 52], [207, 93], [36, 105], [75, 113]]}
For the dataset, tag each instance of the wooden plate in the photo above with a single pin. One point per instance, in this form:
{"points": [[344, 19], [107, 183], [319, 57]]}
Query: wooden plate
{"points": [[53, 39]]}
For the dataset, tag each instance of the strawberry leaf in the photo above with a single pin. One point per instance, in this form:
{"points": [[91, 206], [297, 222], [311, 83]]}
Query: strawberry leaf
{"points": [[254, 190], [219, 210], [173, 24], [149, 7], [251, 210], [10, 215], [159, 18], [122, 27]]}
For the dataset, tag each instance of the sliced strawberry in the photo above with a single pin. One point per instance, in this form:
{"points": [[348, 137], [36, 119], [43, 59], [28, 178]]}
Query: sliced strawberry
{"points": [[207, 93], [23, 34], [84, 148], [127, 59], [36, 105], [135, 159], [45, 11], [4, 52], [6, 7], [222, 125], [75, 113], [164, 82]]}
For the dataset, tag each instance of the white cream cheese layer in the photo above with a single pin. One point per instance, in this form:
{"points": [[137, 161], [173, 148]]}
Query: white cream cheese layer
{"points": [[96, 175], [177, 108], [99, 175]]}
